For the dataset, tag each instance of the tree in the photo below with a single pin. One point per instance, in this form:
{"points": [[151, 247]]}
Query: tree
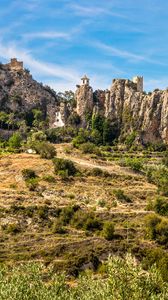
{"points": [[15, 141], [3, 118]]}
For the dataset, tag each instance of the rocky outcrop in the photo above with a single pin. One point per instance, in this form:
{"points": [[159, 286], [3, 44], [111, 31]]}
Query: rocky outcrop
{"points": [[20, 93], [84, 99], [132, 110]]}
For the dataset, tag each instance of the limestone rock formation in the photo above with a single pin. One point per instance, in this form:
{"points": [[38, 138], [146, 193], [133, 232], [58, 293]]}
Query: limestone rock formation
{"points": [[126, 105], [20, 93], [84, 98]]}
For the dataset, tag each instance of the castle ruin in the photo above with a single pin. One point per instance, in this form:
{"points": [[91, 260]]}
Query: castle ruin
{"points": [[15, 65], [138, 80]]}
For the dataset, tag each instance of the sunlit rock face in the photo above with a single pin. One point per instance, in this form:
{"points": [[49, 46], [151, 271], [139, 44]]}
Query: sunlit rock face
{"points": [[19, 92], [84, 99], [134, 110]]}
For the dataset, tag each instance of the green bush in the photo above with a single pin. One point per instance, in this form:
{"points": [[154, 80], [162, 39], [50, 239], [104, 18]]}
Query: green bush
{"points": [[46, 150], [64, 165], [28, 174], [151, 221], [49, 178], [15, 141], [97, 172], [108, 230], [12, 228], [121, 196], [161, 206], [157, 229], [32, 184], [136, 164], [165, 159], [159, 177], [124, 279], [92, 224], [58, 228]]}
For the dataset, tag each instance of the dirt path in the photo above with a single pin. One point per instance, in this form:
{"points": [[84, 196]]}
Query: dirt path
{"points": [[110, 167]]}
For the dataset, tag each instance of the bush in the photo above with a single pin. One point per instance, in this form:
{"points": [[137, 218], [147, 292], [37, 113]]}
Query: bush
{"points": [[49, 178], [161, 206], [28, 174], [158, 257], [58, 228], [87, 147], [130, 139], [165, 159], [46, 150], [121, 196], [11, 228], [160, 178], [97, 172], [15, 141], [151, 221], [157, 229], [124, 279], [32, 184], [136, 164], [92, 224], [64, 165], [108, 230]]}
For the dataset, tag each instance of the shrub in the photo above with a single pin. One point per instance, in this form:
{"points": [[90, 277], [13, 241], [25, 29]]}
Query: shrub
{"points": [[64, 165], [165, 159], [108, 230], [160, 178], [130, 139], [121, 196], [124, 279], [136, 164], [162, 232], [46, 150], [161, 206], [58, 228], [49, 178], [15, 141], [87, 147], [92, 224], [151, 221], [28, 174], [97, 172], [42, 212], [82, 137], [11, 228], [157, 229], [32, 184]]}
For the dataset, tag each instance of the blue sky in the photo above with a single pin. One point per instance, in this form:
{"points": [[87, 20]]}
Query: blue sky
{"points": [[60, 40]]}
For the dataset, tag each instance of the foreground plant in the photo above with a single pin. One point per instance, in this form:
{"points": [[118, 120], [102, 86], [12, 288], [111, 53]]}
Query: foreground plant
{"points": [[123, 279]]}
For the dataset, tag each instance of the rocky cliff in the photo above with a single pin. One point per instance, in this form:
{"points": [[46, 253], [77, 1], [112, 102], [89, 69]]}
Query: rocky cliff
{"points": [[124, 104], [131, 109], [145, 113], [20, 93]]}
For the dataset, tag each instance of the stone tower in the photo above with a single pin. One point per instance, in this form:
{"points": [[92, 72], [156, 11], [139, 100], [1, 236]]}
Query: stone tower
{"points": [[15, 65], [84, 99], [139, 82]]}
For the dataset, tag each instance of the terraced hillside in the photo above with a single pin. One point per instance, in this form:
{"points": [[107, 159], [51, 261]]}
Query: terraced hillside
{"points": [[54, 222]]}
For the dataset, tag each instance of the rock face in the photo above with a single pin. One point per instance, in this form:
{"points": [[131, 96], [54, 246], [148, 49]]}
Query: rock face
{"points": [[124, 104], [84, 98], [130, 108], [19, 92]]}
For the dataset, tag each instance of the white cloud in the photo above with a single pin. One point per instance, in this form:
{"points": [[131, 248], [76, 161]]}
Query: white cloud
{"points": [[116, 52], [91, 11], [46, 35], [151, 84], [37, 67]]}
